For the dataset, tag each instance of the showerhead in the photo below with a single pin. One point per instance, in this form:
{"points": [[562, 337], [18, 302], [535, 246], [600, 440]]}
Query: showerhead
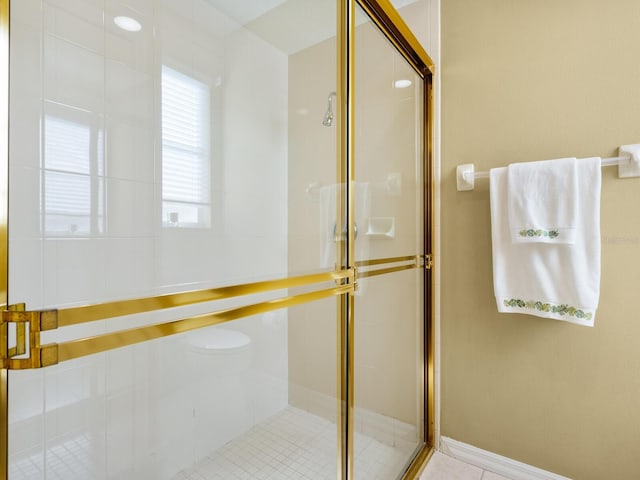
{"points": [[328, 118], [327, 121]]}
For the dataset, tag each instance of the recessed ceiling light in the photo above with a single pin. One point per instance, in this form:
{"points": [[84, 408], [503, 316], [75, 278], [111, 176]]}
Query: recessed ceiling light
{"points": [[402, 83], [127, 23]]}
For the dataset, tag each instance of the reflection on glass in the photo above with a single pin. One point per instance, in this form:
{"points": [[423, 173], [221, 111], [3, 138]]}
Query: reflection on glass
{"points": [[185, 150], [185, 123], [73, 187]]}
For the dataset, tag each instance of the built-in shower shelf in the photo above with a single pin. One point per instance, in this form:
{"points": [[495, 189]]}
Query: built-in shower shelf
{"points": [[381, 227]]}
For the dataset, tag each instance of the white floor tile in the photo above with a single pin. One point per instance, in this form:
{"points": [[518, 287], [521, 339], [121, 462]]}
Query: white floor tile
{"points": [[296, 445], [443, 467]]}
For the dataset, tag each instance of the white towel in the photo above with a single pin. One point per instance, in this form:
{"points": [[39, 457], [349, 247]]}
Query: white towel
{"points": [[328, 196], [542, 201], [560, 281]]}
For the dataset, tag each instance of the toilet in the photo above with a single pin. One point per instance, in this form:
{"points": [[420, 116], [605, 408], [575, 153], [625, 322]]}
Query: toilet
{"points": [[219, 351], [220, 395]]}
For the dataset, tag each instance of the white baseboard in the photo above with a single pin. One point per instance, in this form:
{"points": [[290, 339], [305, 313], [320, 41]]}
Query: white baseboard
{"points": [[495, 463]]}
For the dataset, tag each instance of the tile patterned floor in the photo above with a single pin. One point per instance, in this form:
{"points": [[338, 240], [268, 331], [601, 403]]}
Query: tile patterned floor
{"points": [[296, 445], [292, 445], [443, 467], [65, 461]]}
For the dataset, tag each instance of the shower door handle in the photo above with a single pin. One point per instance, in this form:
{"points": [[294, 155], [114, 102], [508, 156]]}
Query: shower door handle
{"points": [[344, 232], [28, 325]]}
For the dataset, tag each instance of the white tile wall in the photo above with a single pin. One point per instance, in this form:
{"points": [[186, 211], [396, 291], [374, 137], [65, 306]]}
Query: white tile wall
{"points": [[73, 75], [86, 32], [130, 147], [74, 78], [27, 12], [154, 408], [137, 412]]}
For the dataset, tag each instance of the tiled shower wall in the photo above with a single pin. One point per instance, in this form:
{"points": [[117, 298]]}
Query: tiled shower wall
{"points": [[140, 412]]}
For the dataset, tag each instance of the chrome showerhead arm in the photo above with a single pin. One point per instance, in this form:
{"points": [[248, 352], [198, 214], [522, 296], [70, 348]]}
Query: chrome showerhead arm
{"points": [[327, 121]]}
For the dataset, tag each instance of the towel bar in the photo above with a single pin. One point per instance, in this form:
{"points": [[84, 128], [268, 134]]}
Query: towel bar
{"points": [[628, 163]]}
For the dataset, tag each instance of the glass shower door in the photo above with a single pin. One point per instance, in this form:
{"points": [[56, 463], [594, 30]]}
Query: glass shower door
{"points": [[196, 249], [169, 169], [389, 320]]}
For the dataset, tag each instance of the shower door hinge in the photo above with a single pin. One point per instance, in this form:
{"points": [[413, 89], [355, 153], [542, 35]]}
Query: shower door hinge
{"points": [[428, 261], [27, 352]]}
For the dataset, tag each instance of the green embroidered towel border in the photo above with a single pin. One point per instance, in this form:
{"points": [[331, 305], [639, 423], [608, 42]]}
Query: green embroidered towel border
{"points": [[542, 197], [539, 233], [558, 311], [562, 309]]}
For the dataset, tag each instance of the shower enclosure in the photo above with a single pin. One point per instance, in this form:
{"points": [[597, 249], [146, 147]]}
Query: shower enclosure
{"points": [[216, 238]]}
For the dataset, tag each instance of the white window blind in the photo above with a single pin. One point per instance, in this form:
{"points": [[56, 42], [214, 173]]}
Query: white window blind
{"points": [[72, 201], [186, 177]]}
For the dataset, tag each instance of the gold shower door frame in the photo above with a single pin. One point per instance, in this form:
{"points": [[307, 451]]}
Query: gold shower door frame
{"points": [[29, 353], [389, 22]]}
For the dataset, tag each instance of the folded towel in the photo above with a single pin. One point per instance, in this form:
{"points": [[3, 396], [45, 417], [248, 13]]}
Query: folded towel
{"points": [[559, 281], [328, 198], [542, 201]]}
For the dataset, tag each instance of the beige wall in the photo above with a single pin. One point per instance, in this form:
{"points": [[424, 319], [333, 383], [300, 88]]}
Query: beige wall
{"points": [[522, 81]]}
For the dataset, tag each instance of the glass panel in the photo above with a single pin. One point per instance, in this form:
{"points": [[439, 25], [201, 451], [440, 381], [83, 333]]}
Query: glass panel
{"points": [[389, 315], [388, 149], [183, 141], [222, 402], [389, 400], [312, 151], [160, 146]]}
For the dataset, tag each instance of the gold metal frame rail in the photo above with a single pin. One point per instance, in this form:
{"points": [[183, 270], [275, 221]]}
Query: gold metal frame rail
{"points": [[89, 313], [101, 343], [384, 271], [385, 16], [53, 353], [29, 352], [102, 311], [380, 261], [4, 240]]}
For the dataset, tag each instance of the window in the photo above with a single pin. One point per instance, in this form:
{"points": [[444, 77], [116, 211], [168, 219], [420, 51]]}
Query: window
{"points": [[186, 177], [73, 186]]}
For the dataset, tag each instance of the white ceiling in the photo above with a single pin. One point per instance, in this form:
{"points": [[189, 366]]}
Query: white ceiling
{"points": [[243, 11], [289, 25]]}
